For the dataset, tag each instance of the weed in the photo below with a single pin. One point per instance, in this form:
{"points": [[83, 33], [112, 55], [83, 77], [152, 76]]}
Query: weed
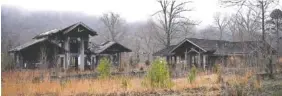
{"points": [[104, 68], [192, 74], [125, 83], [217, 70], [158, 74], [36, 80]]}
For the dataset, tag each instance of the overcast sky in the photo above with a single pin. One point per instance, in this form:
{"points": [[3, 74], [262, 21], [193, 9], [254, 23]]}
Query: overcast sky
{"points": [[131, 10]]}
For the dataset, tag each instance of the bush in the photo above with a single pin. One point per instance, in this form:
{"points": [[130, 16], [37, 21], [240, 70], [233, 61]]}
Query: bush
{"points": [[147, 62], [192, 74], [36, 80], [104, 68], [158, 74], [7, 62], [217, 70], [125, 82]]}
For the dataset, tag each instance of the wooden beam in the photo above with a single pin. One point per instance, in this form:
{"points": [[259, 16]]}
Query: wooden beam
{"points": [[81, 55], [199, 59], [175, 60], [67, 57], [119, 58], [204, 61], [186, 59]]}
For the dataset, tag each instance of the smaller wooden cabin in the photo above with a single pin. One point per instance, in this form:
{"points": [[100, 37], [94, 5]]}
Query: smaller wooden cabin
{"points": [[204, 53], [110, 49]]}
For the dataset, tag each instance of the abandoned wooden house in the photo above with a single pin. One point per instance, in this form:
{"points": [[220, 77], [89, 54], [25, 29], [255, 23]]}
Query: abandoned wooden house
{"points": [[205, 53], [64, 48], [110, 49]]}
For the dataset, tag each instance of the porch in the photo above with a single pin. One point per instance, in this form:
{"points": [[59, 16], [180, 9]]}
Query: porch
{"points": [[190, 58]]}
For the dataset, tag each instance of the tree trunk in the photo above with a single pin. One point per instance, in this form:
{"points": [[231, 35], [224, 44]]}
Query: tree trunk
{"points": [[262, 20]]}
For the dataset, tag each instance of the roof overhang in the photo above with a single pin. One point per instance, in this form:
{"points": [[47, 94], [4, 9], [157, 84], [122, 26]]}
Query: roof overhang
{"points": [[187, 40], [104, 49], [72, 27]]}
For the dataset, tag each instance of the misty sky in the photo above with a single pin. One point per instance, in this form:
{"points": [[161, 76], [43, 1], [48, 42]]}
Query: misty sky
{"points": [[131, 10]]}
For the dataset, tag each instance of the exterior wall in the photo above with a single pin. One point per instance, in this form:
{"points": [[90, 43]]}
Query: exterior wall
{"points": [[235, 61], [33, 56]]}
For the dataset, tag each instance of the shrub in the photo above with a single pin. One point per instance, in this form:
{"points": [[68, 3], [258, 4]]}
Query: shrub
{"points": [[7, 62], [277, 93], [104, 68], [158, 74], [192, 74], [147, 62], [36, 80], [141, 68], [125, 82], [217, 70]]}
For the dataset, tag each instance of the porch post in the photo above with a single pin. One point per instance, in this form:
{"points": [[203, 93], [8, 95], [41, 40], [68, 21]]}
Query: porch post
{"points": [[67, 57], [119, 59], [171, 60], [186, 59], [204, 62], [175, 59], [81, 55], [189, 61], [92, 62], [16, 56], [199, 60]]}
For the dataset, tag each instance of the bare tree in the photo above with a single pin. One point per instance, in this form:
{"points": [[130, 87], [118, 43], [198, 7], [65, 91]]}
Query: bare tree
{"points": [[276, 21], [245, 25], [169, 17], [148, 43], [221, 23], [208, 32], [258, 6], [115, 26]]}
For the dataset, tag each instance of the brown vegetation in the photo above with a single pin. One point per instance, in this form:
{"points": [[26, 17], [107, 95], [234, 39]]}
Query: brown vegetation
{"points": [[37, 82]]}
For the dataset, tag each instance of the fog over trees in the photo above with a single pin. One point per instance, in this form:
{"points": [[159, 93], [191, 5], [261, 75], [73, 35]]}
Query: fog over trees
{"points": [[20, 25]]}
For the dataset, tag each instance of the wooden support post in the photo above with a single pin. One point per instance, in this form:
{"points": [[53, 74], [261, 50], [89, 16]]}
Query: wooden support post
{"points": [[16, 56], [81, 55], [171, 60], [199, 60], [204, 61], [186, 62], [92, 62], [175, 60], [189, 64], [67, 53], [119, 58]]}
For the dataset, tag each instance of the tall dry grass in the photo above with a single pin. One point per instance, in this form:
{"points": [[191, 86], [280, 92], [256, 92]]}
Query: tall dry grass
{"points": [[30, 82]]}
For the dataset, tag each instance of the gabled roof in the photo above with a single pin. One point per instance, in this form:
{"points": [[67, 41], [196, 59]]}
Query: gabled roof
{"points": [[217, 47], [66, 30], [110, 46], [50, 32], [21, 47], [164, 51], [188, 40], [31, 43]]}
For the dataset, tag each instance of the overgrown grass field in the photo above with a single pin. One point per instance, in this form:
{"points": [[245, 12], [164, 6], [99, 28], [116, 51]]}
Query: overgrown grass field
{"points": [[157, 81]]}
